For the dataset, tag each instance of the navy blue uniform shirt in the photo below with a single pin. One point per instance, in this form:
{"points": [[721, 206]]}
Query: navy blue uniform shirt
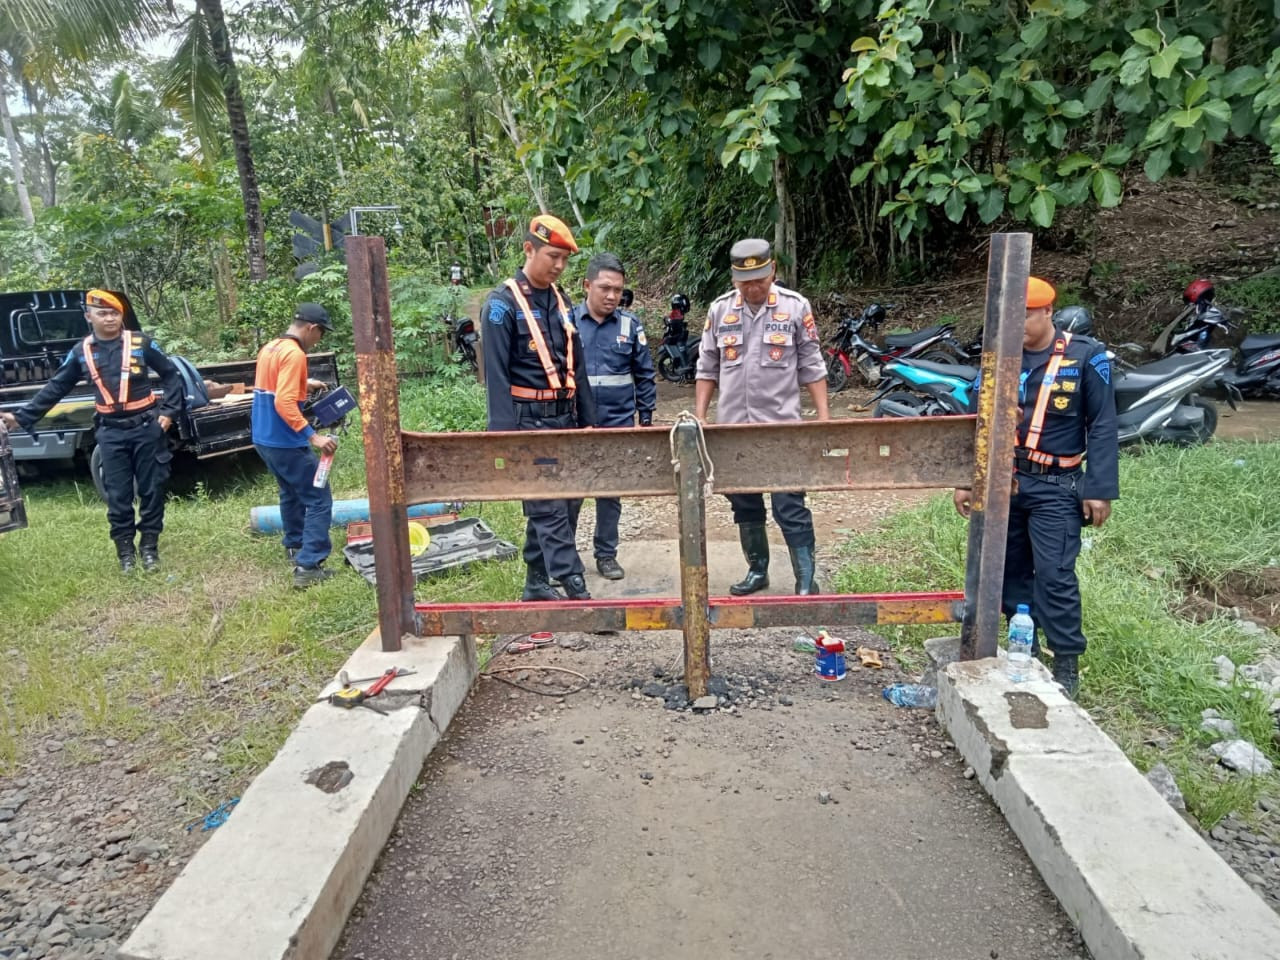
{"points": [[620, 367]]}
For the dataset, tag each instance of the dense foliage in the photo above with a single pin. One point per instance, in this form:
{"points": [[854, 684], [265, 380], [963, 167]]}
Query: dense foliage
{"points": [[870, 138]]}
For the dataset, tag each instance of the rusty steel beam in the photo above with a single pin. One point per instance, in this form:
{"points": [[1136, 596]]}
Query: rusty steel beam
{"points": [[380, 420], [667, 613], [692, 508], [1006, 310], [747, 458]]}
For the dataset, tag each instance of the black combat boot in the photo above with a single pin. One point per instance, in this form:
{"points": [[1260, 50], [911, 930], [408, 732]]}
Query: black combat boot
{"points": [[576, 587], [802, 562], [125, 554], [150, 550], [537, 585], [1066, 671], [754, 537]]}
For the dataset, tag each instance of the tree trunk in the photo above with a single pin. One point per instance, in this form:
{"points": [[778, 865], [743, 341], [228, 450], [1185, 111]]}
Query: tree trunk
{"points": [[784, 228], [15, 158], [212, 10], [1219, 50]]}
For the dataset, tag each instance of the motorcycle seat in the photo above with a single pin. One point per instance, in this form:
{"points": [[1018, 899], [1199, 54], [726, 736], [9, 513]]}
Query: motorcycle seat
{"points": [[1149, 375], [958, 371], [1257, 342], [907, 339]]}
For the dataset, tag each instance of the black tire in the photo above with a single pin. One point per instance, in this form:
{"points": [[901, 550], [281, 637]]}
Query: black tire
{"points": [[667, 368], [837, 376], [903, 397], [939, 356], [469, 356], [1210, 424], [95, 469]]}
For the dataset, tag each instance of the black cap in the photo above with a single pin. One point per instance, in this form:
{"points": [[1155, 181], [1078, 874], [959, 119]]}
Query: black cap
{"points": [[313, 313]]}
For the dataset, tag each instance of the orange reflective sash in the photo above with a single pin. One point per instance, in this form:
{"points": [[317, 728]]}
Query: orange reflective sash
{"points": [[109, 405], [1046, 387], [559, 391]]}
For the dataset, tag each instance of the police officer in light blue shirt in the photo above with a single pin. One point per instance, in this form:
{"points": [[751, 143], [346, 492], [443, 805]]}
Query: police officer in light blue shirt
{"points": [[620, 369]]}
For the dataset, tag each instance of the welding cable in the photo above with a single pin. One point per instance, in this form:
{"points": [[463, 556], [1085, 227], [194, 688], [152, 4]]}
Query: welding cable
{"points": [[494, 674]]}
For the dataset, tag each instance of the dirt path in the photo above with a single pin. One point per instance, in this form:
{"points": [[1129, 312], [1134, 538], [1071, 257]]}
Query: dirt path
{"points": [[602, 825]]}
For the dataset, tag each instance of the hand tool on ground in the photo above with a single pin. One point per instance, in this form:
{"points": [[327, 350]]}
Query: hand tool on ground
{"points": [[346, 681], [350, 697]]}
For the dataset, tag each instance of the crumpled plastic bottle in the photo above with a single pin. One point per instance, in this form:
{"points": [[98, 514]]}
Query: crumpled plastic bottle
{"points": [[911, 695]]}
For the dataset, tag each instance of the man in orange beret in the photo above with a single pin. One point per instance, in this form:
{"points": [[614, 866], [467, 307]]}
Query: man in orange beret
{"points": [[536, 379], [1068, 410], [131, 421]]}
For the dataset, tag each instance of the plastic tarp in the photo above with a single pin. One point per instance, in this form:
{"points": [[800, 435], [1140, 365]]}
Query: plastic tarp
{"points": [[454, 546]]}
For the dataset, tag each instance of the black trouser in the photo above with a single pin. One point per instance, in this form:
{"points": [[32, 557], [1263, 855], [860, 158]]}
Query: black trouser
{"points": [[608, 512], [1045, 516], [550, 531], [788, 509], [134, 451]]}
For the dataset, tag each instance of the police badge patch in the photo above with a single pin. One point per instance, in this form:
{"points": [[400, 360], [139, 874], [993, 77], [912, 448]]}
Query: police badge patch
{"points": [[1061, 403], [775, 354], [731, 353]]}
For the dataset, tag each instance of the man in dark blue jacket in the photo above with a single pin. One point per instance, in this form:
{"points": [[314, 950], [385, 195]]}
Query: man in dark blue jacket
{"points": [[1068, 410], [620, 369]]}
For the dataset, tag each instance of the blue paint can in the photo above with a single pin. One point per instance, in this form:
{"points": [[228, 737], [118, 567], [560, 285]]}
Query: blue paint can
{"points": [[828, 661]]}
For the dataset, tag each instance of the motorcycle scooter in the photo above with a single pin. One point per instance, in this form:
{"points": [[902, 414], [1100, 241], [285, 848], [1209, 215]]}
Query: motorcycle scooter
{"points": [[678, 353], [848, 348], [1157, 402]]}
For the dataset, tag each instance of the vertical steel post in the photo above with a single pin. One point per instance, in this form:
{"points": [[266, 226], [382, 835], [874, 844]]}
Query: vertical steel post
{"points": [[693, 558], [380, 418], [1007, 272]]}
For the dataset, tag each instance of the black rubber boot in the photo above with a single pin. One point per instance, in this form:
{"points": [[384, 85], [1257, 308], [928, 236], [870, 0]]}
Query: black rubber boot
{"points": [[125, 554], [150, 550], [1066, 671], [537, 586], [802, 562], [754, 538], [576, 587]]}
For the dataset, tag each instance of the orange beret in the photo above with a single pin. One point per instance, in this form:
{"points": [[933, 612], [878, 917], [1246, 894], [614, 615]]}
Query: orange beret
{"points": [[1040, 293], [552, 231], [103, 298]]}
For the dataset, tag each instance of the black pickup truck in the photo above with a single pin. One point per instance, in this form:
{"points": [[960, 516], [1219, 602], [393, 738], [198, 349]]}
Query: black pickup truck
{"points": [[36, 331]]}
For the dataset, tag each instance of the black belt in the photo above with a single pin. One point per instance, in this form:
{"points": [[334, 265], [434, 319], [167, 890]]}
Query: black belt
{"points": [[127, 422], [541, 410], [1022, 465]]}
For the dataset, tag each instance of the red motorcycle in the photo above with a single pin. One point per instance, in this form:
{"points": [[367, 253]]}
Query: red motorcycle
{"points": [[848, 349]]}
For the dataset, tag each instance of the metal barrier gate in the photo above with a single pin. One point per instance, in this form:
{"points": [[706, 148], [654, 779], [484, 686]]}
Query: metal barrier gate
{"points": [[406, 467]]}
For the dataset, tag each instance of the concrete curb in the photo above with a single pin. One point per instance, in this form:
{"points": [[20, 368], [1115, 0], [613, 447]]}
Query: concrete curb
{"points": [[1130, 872], [280, 877]]}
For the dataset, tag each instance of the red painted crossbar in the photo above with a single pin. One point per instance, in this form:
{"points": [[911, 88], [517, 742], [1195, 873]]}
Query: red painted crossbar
{"points": [[667, 613]]}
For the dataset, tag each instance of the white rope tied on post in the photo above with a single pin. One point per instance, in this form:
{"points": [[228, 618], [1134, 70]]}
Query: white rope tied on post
{"points": [[708, 467]]}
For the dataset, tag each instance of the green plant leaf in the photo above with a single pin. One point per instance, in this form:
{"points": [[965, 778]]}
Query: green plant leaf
{"points": [[1043, 207], [992, 205], [709, 53], [1195, 91], [954, 207], [1097, 94], [1076, 161], [1035, 31], [1158, 162], [864, 44], [1148, 38], [1117, 155], [1107, 189], [1162, 63]]}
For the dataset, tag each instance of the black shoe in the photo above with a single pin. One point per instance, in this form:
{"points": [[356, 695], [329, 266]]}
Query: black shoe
{"points": [[537, 586], [803, 563], [127, 561], [1066, 672], [609, 568], [291, 554], [304, 577], [575, 587], [754, 538], [150, 560]]}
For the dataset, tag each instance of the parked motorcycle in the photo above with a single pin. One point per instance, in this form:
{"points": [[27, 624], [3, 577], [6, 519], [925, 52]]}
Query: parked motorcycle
{"points": [[678, 354], [1257, 369], [848, 348], [462, 340], [1157, 402]]}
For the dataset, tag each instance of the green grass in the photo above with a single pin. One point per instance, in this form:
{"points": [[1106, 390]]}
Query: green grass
{"points": [[92, 654], [1185, 515]]}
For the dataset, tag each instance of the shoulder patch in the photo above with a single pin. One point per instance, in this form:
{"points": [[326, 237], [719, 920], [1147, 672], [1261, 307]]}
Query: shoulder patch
{"points": [[1100, 363], [499, 311]]}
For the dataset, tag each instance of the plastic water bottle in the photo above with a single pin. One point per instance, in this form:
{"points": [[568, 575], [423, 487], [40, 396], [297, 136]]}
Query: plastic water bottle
{"points": [[1022, 632], [322, 471], [911, 695]]}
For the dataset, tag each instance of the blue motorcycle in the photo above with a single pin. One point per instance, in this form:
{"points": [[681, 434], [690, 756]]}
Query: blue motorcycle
{"points": [[922, 388]]}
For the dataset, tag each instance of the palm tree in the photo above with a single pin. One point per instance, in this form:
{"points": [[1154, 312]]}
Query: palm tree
{"points": [[201, 82]]}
